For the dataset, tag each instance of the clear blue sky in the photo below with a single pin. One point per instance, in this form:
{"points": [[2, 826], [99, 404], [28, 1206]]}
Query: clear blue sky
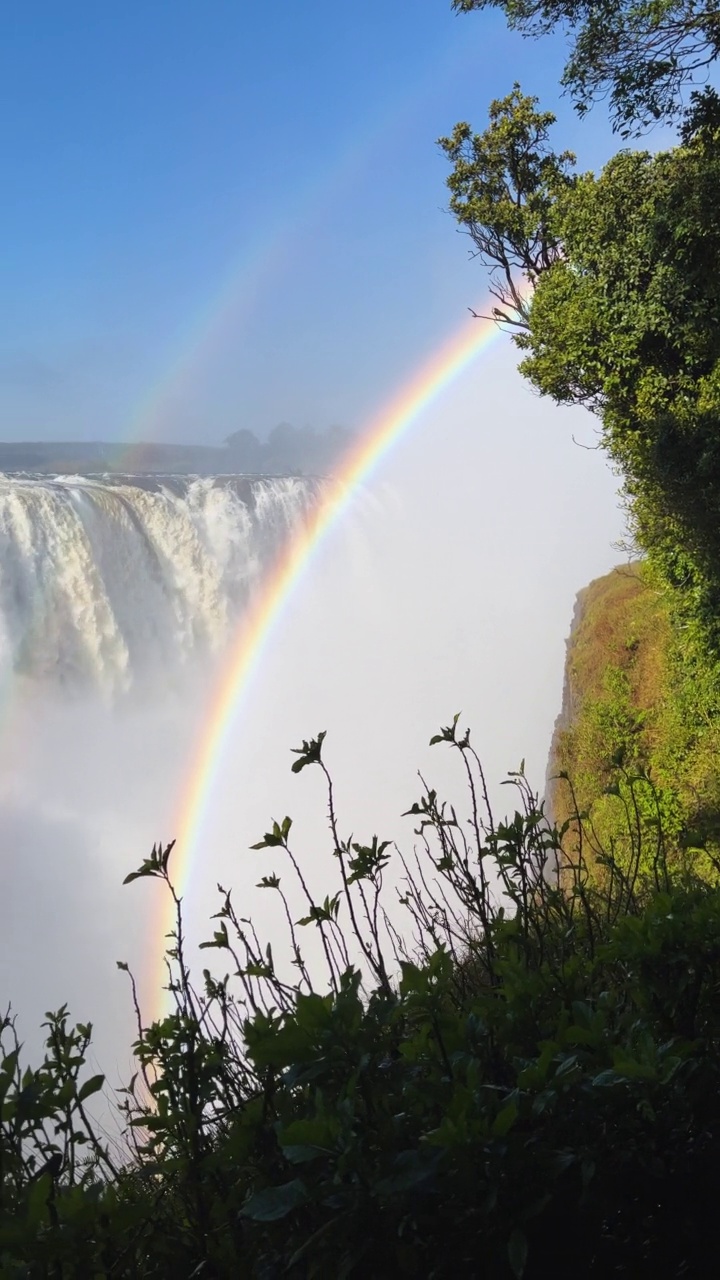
{"points": [[227, 213]]}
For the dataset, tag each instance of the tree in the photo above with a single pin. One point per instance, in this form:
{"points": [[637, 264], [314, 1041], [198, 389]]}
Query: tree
{"points": [[641, 54], [627, 321], [624, 316], [504, 187], [246, 447]]}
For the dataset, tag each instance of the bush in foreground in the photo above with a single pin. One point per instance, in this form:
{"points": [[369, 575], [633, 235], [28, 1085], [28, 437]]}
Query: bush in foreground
{"points": [[522, 1081]]}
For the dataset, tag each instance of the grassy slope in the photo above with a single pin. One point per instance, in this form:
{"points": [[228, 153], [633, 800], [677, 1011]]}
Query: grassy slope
{"points": [[641, 695]]}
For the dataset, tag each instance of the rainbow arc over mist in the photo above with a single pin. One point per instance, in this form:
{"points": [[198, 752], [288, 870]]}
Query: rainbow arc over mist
{"points": [[443, 367]]}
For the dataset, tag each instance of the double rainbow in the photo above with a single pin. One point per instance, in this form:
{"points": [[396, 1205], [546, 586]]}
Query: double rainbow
{"points": [[265, 614]]}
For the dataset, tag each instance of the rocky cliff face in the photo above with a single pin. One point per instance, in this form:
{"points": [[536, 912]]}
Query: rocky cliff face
{"points": [[568, 708]]}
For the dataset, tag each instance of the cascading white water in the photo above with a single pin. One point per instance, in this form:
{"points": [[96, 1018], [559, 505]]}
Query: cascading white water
{"points": [[118, 597], [106, 582]]}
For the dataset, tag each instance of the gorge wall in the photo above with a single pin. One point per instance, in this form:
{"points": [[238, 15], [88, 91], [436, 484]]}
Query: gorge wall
{"points": [[641, 697]]}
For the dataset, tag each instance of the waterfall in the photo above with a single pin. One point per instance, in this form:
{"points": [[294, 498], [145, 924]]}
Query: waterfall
{"points": [[105, 582]]}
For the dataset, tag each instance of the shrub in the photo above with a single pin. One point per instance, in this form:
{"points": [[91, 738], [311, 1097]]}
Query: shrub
{"points": [[521, 1081]]}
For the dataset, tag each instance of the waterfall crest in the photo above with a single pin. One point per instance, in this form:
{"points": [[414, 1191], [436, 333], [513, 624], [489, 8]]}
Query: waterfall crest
{"points": [[105, 582]]}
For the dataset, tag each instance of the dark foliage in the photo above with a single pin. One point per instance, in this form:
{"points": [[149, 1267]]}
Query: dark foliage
{"points": [[619, 312], [640, 54], [523, 1080]]}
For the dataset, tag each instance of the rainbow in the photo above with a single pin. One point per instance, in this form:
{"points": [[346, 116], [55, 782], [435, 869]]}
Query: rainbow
{"points": [[222, 314], [446, 363]]}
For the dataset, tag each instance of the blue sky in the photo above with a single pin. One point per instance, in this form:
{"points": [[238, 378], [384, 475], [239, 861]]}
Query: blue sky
{"points": [[228, 214]]}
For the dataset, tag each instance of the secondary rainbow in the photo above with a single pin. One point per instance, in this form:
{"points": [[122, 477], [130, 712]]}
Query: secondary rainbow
{"points": [[221, 317], [382, 434]]}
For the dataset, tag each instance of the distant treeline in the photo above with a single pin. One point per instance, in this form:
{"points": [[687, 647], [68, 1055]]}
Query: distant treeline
{"points": [[287, 450]]}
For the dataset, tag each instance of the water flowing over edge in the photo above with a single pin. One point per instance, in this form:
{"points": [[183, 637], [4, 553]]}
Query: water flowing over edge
{"points": [[114, 582]]}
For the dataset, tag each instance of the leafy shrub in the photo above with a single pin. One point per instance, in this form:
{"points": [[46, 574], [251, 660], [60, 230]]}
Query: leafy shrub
{"points": [[522, 1081]]}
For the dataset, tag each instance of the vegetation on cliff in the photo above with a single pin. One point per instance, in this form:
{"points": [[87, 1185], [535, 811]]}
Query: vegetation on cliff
{"points": [[498, 1076], [641, 699], [611, 282]]}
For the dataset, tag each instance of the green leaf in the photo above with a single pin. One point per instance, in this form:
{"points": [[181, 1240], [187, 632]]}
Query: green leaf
{"points": [[447, 733], [505, 1120], [37, 1200], [318, 1133], [606, 1078], [219, 939], [300, 1154], [93, 1085], [276, 1202], [275, 838], [155, 865], [138, 875], [309, 753], [164, 854], [410, 1169], [268, 882]]}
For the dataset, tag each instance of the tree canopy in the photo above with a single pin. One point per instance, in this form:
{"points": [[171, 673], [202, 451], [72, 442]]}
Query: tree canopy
{"points": [[504, 186], [640, 54], [628, 322], [625, 311]]}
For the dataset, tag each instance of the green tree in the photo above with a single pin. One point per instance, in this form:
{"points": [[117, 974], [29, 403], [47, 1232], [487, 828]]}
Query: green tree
{"points": [[641, 54], [245, 446], [624, 317], [627, 321], [504, 187]]}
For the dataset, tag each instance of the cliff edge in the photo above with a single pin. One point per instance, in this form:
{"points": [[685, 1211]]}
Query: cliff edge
{"points": [[641, 697]]}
